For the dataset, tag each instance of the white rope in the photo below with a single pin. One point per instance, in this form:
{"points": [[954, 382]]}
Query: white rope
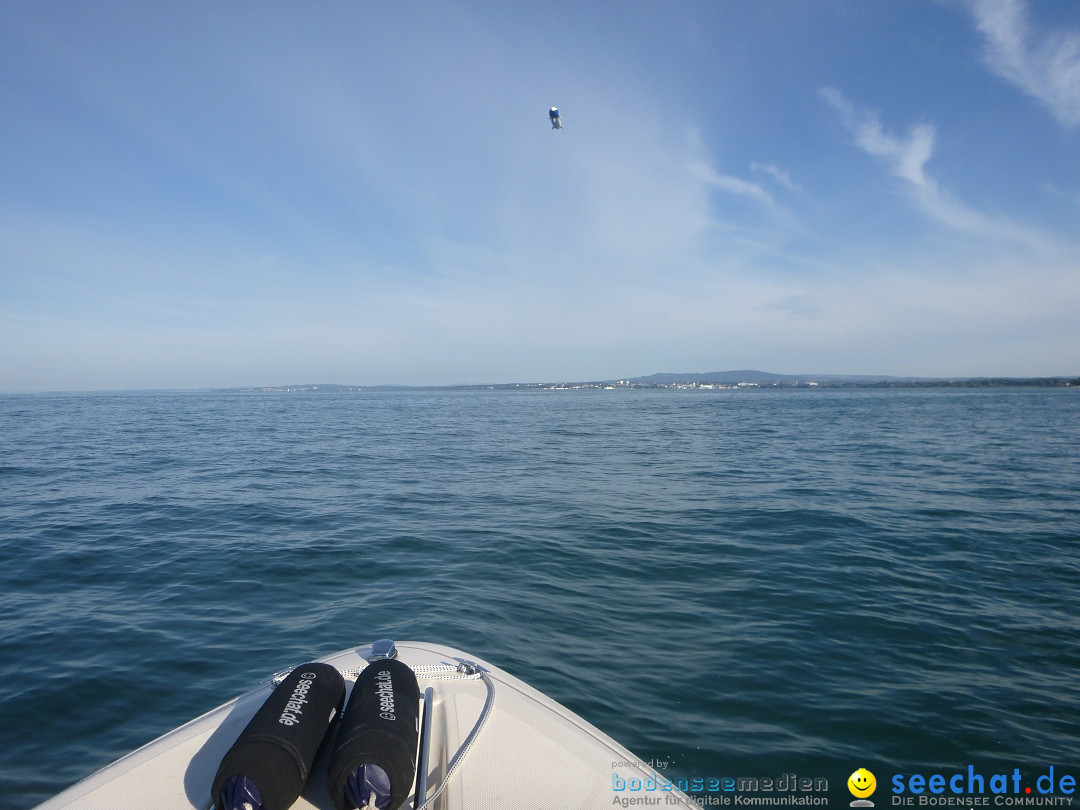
{"points": [[471, 672], [461, 671]]}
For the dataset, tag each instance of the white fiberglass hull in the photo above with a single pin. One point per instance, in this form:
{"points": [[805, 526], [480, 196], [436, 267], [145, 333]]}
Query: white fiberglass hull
{"points": [[530, 753]]}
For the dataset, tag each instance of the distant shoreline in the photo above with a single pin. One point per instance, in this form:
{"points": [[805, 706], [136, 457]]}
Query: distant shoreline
{"points": [[807, 383], [702, 382]]}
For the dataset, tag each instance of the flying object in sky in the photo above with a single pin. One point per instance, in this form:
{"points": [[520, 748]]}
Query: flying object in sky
{"points": [[556, 121]]}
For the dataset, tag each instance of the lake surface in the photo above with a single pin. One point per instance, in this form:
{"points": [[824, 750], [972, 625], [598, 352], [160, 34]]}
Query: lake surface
{"points": [[735, 583]]}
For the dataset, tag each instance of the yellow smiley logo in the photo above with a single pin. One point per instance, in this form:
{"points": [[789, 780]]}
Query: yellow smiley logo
{"points": [[861, 783]]}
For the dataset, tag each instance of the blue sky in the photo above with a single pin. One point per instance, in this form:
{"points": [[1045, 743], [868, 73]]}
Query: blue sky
{"points": [[206, 194]]}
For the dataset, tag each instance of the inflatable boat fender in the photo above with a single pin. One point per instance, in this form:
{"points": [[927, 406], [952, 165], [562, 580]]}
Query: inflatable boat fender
{"points": [[271, 759], [375, 752]]}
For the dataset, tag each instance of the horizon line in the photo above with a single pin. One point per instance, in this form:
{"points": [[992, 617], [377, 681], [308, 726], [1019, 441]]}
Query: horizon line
{"points": [[648, 380]]}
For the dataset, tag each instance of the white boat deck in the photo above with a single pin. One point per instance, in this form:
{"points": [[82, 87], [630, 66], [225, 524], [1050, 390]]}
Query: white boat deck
{"points": [[531, 752]]}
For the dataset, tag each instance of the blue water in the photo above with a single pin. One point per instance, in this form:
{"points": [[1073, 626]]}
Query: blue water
{"points": [[735, 583]]}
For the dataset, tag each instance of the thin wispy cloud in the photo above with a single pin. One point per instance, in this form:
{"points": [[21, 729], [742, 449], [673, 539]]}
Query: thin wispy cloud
{"points": [[778, 175], [1044, 64], [906, 157], [731, 184], [1070, 196]]}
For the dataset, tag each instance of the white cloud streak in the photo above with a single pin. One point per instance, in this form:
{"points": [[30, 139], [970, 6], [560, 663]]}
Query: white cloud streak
{"points": [[732, 184], [907, 156], [778, 175], [1045, 65]]}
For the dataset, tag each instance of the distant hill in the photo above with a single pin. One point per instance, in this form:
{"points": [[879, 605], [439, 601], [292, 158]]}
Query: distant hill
{"points": [[751, 376]]}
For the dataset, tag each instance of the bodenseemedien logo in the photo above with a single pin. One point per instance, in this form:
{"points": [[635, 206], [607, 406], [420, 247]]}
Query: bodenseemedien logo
{"points": [[862, 785]]}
